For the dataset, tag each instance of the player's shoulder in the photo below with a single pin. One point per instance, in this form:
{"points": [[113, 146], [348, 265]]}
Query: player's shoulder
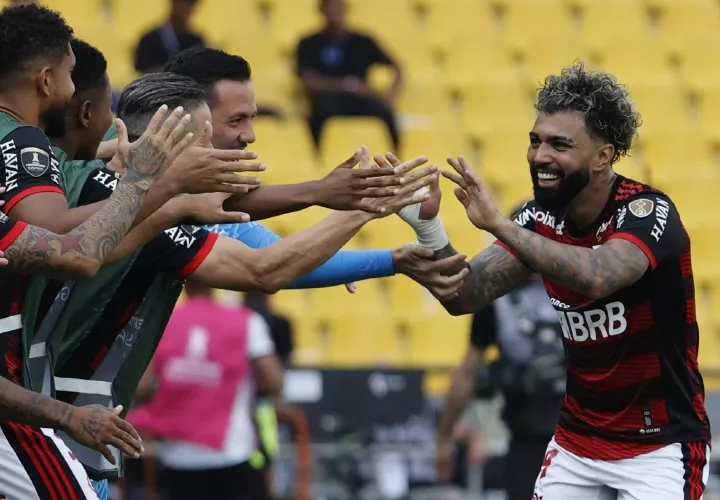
{"points": [[25, 136], [640, 199], [186, 235]]}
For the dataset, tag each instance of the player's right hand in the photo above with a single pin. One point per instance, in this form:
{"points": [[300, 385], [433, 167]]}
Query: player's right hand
{"points": [[165, 137], [204, 169], [444, 459], [98, 427], [208, 208]]}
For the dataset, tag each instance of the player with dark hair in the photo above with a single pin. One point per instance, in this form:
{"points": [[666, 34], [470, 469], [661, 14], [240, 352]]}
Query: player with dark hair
{"points": [[615, 260], [88, 114]]}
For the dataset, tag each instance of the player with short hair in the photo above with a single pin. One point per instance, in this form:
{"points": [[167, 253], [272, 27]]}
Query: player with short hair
{"points": [[615, 260]]}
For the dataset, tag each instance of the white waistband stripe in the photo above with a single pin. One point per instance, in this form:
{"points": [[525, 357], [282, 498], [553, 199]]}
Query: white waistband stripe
{"points": [[10, 323], [83, 386], [37, 350]]}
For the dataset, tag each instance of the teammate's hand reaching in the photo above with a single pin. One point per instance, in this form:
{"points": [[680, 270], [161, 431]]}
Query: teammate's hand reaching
{"points": [[430, 207], [472, 193], [348, 188], [416, 263], [98, 427], [165, 137], [203, 169]]}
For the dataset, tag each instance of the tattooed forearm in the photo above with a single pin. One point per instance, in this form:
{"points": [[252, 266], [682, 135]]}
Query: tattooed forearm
{"points": [[20, 405], [82, 251], [493, 273], [144, 157], [594, 273]]}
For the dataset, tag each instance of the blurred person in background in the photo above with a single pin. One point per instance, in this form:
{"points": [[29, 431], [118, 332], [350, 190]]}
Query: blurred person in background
{"points": [[208, 366], [529, 373], [156, 46], [333, 67], [281, 329]]}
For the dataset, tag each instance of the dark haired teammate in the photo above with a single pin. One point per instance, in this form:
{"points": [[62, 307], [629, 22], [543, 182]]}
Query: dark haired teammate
{"points": [[615, 260]]}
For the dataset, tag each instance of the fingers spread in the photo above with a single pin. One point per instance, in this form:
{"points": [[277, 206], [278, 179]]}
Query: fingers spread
{"points": [[394, 160], [457, 179], [410, 164], [157, 119], [172, 121], [382, 162], [352, 161], [377, 172]]}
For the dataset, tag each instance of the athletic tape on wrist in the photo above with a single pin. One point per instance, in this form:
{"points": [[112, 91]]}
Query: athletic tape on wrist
{"points": [[430, 233]]}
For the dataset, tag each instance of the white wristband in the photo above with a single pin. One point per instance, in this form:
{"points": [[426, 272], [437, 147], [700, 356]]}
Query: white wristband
{"points": [[430, 233]]}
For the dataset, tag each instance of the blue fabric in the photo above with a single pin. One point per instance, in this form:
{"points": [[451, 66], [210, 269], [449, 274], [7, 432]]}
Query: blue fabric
{"points": [[101, 487], [343, 267]]}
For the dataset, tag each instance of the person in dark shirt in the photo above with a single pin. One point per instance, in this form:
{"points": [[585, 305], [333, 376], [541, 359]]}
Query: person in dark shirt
{"points": [[281, 330], [333, 65], [156, 46]]}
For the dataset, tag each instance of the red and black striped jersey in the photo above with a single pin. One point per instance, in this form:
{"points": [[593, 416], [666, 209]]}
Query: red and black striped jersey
{"points": [[633, 383]]}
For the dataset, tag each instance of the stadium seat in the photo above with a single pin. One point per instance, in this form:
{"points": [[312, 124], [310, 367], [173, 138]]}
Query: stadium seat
{"points": [[664, 108], [621, 57], [427, 105], [610, 20], [363, 340], [218, 20], [695, 72], [705, 243], [436, 142], [686, 23], [309, 345], [133, 18], [85, 16], [479, 60], [548, 56], [448, 24], [388, 232], [492, 109], [291, 21], [342, 136], [408, 299], [439, 341], [337, 302], [295, 160], [671, 156], [522, 21], [709, 113], [503, 156], [632, 167], [694, 199]]}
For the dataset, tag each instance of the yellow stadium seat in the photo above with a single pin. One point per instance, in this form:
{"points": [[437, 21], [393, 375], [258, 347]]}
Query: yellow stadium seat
{"points": [[694, 200], [600, 22], [671, 156], [286, 148], [664, 108], [634, 61], [448, 24], [709, 113], [218, 20], [291, 302], [479, 60], [337, 302], [291, 21], [439, 341], [548, 56], [630, 166], [310, 347], [491, 109], [408, 299], [504, 156], [364, 340], [686, 23], [695, 71], [342, 136], [435, 142], [84, 16], [388, 232], [704, 243], [133, 18], [524, 22], [428, 104]]}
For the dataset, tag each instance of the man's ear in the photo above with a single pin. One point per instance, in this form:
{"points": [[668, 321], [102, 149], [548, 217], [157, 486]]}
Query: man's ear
{"points": [[84, 114]]}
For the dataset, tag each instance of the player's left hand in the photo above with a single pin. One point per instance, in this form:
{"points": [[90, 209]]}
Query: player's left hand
{"points": [[472, 193], [416, 263]]}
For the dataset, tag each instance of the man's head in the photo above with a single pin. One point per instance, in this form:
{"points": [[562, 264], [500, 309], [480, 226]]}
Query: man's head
{"points": [[142, 98], [586, 122], [36, 59], [89, 113], [182, 11], [334, 12], [226, 79]]}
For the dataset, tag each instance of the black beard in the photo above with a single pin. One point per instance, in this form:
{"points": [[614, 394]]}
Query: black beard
{"points": [[561, 196], [54, 120]]}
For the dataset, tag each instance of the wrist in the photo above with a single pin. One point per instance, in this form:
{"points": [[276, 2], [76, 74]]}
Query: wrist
{"points": [[498, 228], [431, 233], [68, 415], [312, 193]]}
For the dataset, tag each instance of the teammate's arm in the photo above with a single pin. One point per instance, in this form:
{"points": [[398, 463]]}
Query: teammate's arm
{"points": [[345, 188], [94, 426]]}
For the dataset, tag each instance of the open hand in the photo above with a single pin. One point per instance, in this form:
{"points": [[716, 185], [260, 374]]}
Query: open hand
{"points": [[427, 209], [165, 137], [203, 169], [417, 263], [472, 193], [98, 427]]}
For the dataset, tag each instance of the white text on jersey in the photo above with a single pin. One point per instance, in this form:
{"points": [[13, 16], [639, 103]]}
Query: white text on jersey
{"points": [[11, 166], [661, 215], [107, 179], [586, 325]]}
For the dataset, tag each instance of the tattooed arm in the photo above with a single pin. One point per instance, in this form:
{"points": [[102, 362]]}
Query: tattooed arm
{"points": [[93, 426], [493, 273], [81, 252], [595, 273]]}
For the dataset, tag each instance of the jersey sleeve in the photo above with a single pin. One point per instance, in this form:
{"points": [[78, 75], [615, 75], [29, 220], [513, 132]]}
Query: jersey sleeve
{"points": [[9, 231], [651, 221], [99, 184], [29, 166], [525, 217], [178, 250]]}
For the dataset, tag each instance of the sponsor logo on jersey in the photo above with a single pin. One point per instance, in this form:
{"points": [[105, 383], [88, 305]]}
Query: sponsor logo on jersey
{"points": [[560, 228], [3, 218], [107, 179], [182, 235], [545, 218], [641, 208], [54, 170], [34, 160], [621, 217], [661, 217], [594, 323], [556, 303], [11, 168], [603, 227]]}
